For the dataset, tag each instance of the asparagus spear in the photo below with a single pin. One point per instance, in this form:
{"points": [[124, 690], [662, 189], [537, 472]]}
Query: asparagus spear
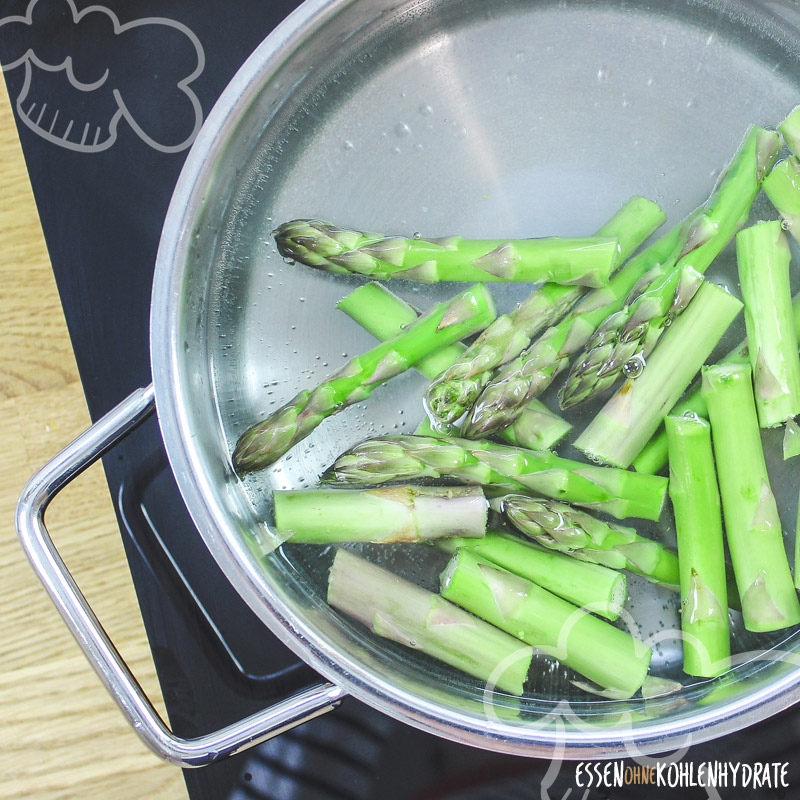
{"points": [[391, 458], [587, 261], [628, 420], [782, 186], [384, 315], [396, 609], [590, 586], [391, 514], [763, 255], [442, 325], [769, 600], [790, 130], [653, 457], [457, 389], [558, 526], [536, 428], [698, 521], [633, 332], [597, 650], [530, 373]]}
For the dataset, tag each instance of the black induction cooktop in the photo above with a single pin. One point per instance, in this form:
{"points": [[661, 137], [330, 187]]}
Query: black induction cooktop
{"points": [[107, 99]]}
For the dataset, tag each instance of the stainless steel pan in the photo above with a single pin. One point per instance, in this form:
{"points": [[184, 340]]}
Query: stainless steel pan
{"points": [[510, 118]]}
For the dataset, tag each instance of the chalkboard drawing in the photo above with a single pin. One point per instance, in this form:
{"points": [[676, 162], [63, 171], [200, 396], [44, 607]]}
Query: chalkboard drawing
{"points": [[85, 72]]}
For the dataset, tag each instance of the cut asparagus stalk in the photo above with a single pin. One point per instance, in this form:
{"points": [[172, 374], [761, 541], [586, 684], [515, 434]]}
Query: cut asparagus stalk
{"points": [[383, 314], [442, 325], [790, 130], [391, 514], [396, 609], [791, 440], [456, 390], [408, 458], [528, 375], [701, 556], [628, 420], [585, 261], [596, 649], [753, 527], [536, 428], [782, 186], [763, 255], [558, 526], [653, 457], [633, 333], [593, 587]]}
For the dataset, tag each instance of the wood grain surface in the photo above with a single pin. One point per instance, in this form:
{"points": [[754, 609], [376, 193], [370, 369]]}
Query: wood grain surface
{"points": [[62, 735]]}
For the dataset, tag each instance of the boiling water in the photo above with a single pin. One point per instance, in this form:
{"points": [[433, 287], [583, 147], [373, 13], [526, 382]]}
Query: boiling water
{"points": [[521, 119]]}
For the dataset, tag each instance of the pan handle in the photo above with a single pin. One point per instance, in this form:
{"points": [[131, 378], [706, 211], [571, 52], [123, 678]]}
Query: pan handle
{"points": [[94, 641]]}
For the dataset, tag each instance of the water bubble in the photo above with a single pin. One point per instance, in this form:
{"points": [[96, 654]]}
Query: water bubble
{"points": [[401, 129], [634, 366]]}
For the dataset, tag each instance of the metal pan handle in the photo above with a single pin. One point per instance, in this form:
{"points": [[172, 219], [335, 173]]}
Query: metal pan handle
{"points": [[94, 641]]}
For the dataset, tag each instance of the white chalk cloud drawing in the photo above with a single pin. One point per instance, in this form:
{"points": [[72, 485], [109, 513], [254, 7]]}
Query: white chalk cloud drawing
{"points": [[93, 97]]}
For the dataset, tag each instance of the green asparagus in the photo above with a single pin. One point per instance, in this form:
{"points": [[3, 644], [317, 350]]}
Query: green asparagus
{"points": [[752, 524], [701, 556], [558, 526], [628, 420], [782, 186], [790, 130], [530, 373], [634, 331], [586, 262], [653, 457], [456, 390], [596, 649], [763, 255], [442, 325], [396, 609], [384, 315], [391, 458], [391, 514], [591, 586]]}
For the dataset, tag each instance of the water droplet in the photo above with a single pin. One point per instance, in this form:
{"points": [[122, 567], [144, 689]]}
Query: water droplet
{"points": [[603, 73], [520, 56], [511, 77], [424, 209], [416, 235], [425, 109], [626, 103], [651, 81], [418, 146], [348, 145], [690, 103], [302, 300], [401, 129], [786, 224], [396, 151], [634, 366], [460, 132]]}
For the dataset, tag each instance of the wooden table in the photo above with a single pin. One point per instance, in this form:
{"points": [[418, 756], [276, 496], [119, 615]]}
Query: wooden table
{"points": [[62, 735]]}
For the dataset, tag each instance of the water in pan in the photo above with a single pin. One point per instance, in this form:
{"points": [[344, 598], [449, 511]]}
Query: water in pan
{"points": [[523, 119]]}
